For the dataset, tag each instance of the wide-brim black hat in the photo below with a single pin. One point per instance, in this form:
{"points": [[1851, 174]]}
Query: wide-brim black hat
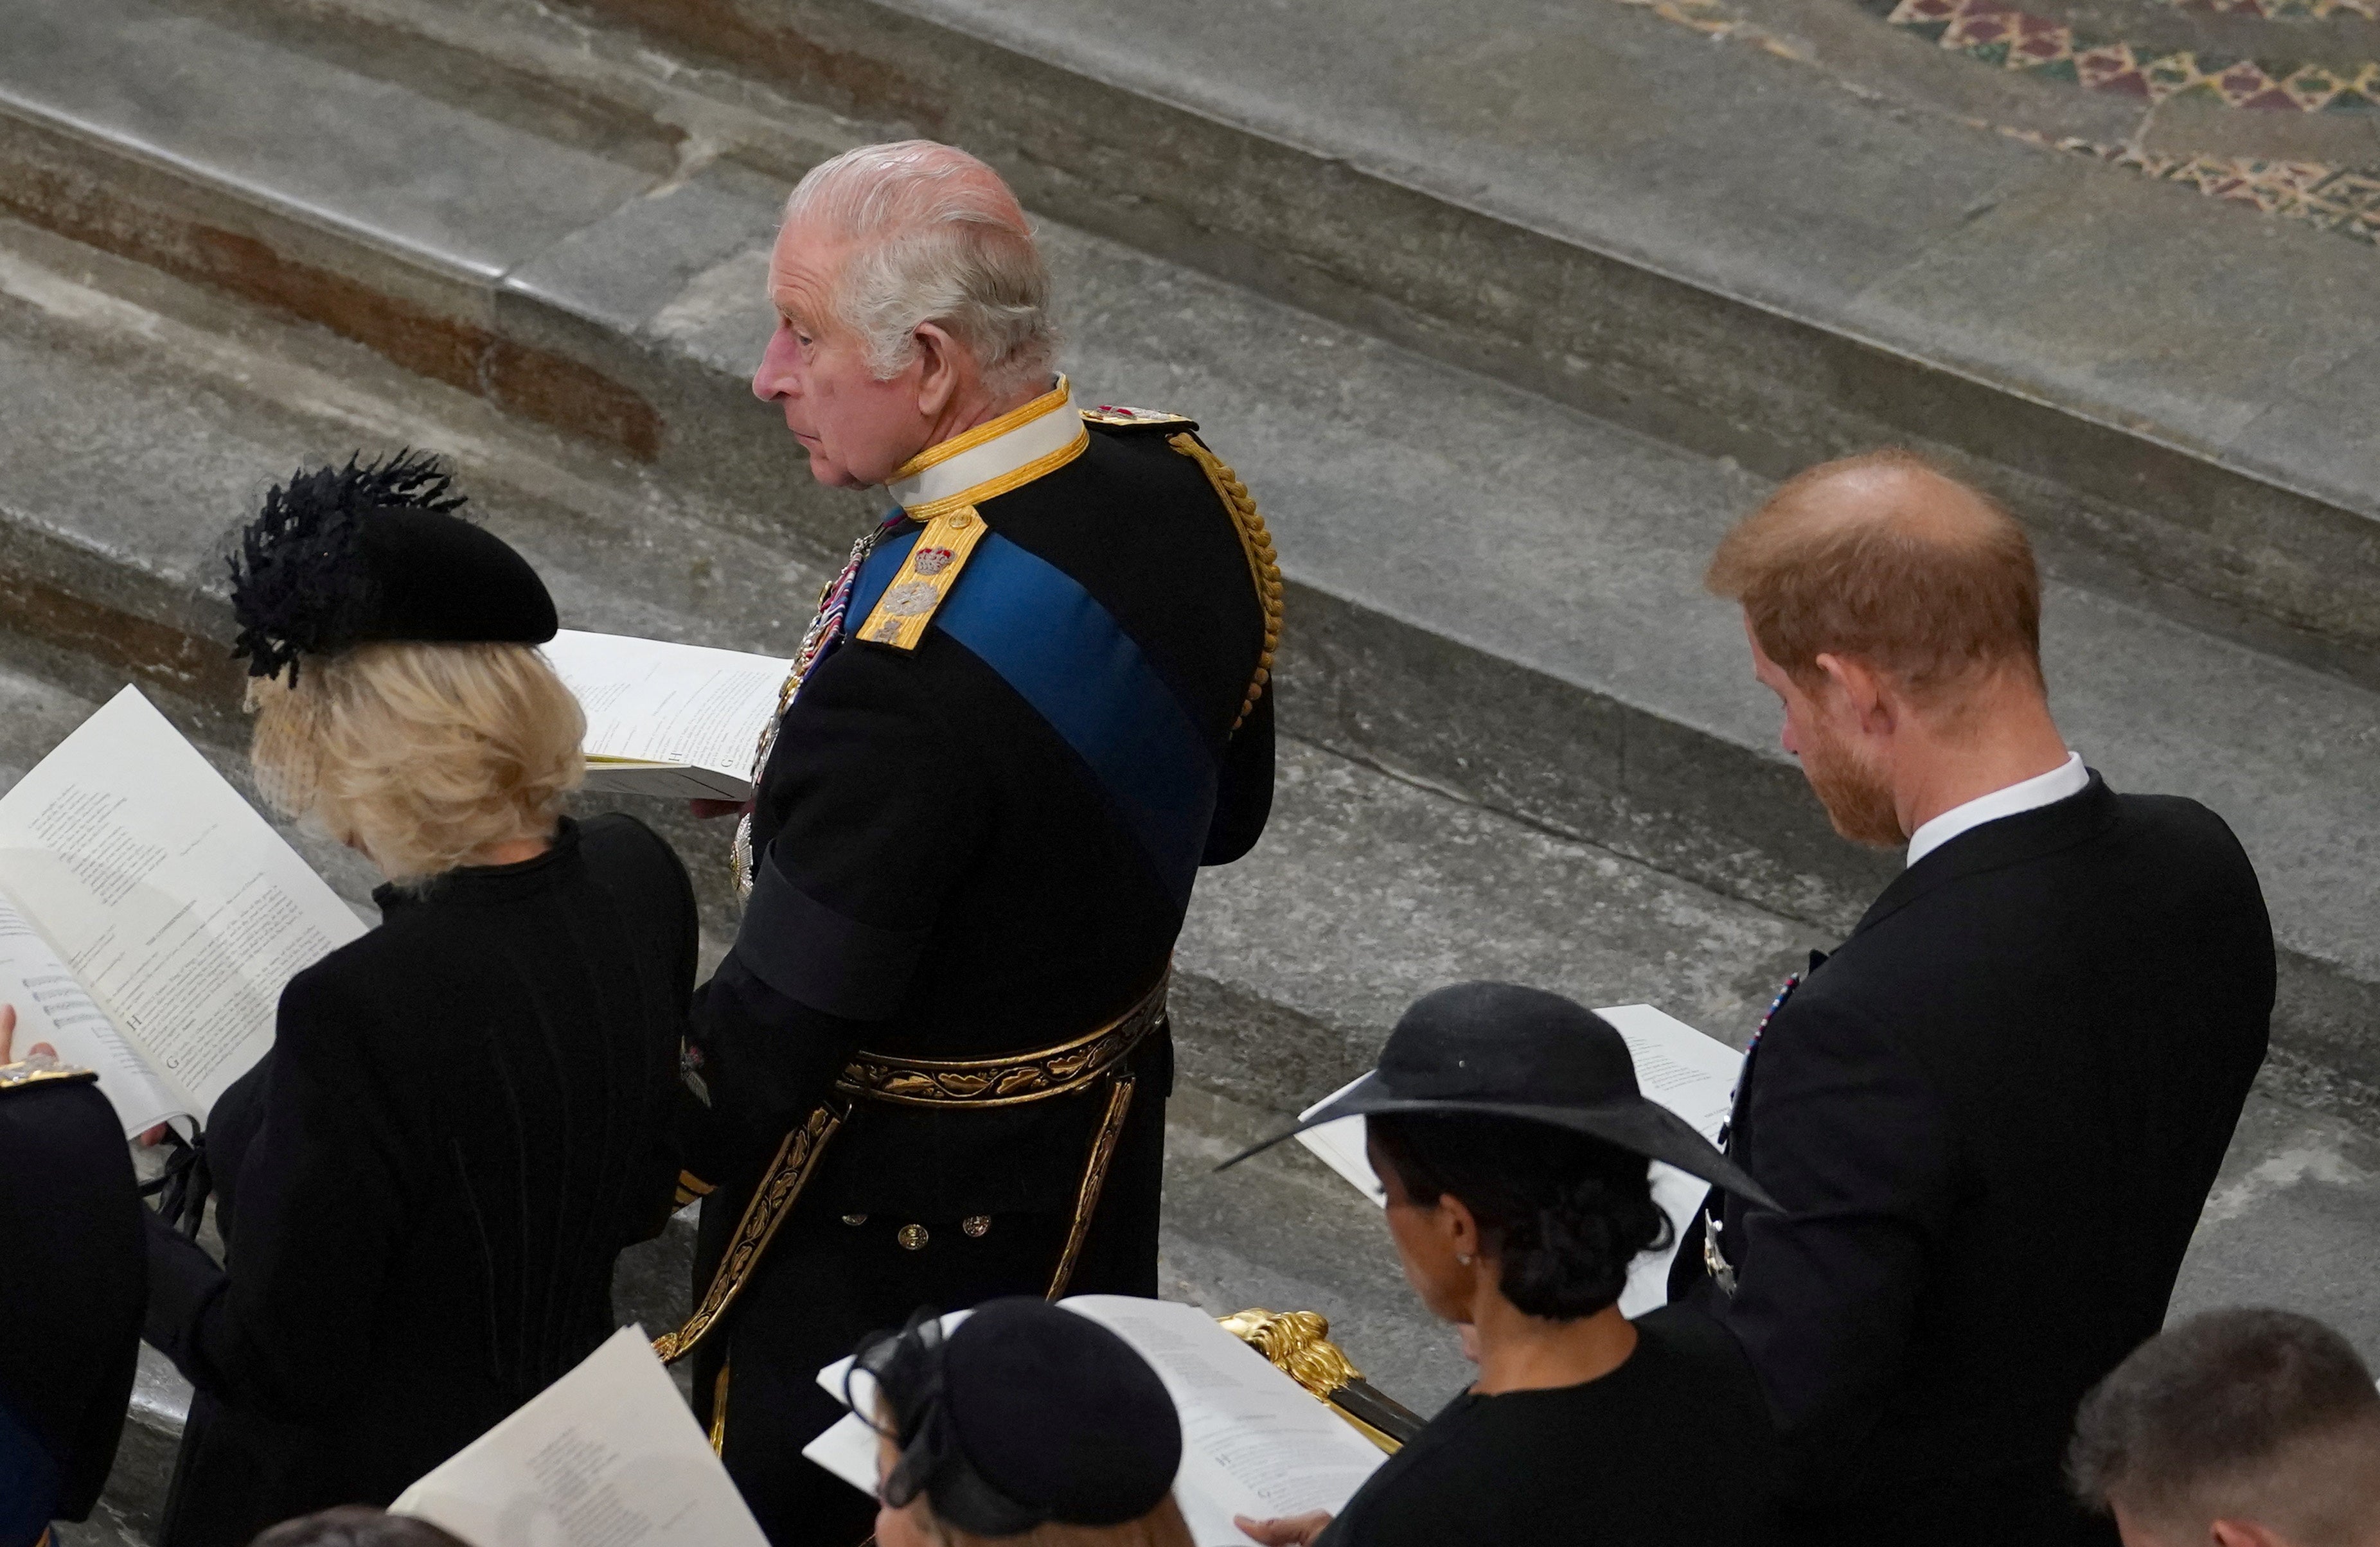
{"points": [[374, 551], [1500, 1050]]}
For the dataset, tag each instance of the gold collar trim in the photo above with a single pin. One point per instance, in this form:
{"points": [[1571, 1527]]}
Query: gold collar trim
{"points": [[995, 457]]}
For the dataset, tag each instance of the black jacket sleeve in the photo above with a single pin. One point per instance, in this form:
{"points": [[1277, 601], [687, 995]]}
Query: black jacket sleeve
{"points": [[1849, 1137], [875, 810], [322, 1203], [1243, 796]]}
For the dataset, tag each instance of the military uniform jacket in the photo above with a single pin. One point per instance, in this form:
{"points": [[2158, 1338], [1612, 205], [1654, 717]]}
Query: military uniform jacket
{"points": [[953, 878], [72, 1277], [1992, 1117]]}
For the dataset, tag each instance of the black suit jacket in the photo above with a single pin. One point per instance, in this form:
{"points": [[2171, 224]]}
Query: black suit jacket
{"points": [[458, 1130], [1992, 1117]]}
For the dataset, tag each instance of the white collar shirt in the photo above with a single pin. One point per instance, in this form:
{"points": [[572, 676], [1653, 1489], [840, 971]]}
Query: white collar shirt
{"points": [[2068, 779]]}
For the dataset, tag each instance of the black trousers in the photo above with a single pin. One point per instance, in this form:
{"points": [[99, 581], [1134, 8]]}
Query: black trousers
{"points": [[824, 1284]]}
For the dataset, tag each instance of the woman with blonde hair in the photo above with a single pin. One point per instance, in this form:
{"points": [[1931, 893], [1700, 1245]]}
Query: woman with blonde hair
{"points": [[464, 1118], [1026, 1425]]}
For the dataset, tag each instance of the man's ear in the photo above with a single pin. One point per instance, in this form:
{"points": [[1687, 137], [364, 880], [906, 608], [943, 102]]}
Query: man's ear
{"points": [[1874, 709], [2244, 1533], [938, 369]]}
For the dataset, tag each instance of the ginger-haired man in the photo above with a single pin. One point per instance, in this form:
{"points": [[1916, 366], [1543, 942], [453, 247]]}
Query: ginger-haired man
{"points": [[1992, 1116], [1032, 706]]}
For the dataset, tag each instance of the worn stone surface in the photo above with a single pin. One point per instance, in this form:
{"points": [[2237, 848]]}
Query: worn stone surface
{"points": [[1697, 270], [1495, 594], [1696, 274]]}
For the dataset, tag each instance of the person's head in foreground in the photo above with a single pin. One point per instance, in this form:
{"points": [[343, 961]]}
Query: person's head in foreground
{"points": [[2238, 1428], [1515, 1146], [912, 306], [1027, 1424], [1897, 613], [355, 1526], [400, 699]]}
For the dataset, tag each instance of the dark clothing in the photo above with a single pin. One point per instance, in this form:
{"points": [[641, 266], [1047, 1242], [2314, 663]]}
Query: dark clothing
{"points": [[959, 864], [72, 1285], [1992, 1117], [452, 1138], [1672, 1449]]}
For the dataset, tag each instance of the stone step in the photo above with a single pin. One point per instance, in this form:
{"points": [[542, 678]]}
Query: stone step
{"points": [[2294, 1206], [140, 417], [122, 419], [1489, 592], [1432, 645], [1769, 230]]}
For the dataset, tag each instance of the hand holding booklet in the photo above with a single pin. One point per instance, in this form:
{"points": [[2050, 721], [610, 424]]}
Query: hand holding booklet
{"points": [[1254, 1442], [606, 1457], [1688, 1072], [149, 917]]}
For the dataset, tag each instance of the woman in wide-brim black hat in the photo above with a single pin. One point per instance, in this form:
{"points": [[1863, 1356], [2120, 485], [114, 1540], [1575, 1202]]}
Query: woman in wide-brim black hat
{"points": [[424, 1185], [1508, 1129]]}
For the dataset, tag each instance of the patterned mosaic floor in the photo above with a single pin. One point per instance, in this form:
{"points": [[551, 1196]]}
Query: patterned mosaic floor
{"points": [[2332, 197], [1998, 35]]}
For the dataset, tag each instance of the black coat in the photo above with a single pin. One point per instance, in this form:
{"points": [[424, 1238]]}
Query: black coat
{"points": [[429, 1180], [1993, 1116], [967, 875], [71, 1276], [1671, 1449]]}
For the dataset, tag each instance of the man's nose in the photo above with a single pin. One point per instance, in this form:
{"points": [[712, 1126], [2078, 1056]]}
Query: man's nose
{"points": [[768, 378]]}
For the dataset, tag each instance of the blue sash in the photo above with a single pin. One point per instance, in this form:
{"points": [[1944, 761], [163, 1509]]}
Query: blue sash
{"points": [[1065, 654]]}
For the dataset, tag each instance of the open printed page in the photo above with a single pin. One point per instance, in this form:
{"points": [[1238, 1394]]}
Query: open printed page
{"points": [[1689, 1072], [666, 718], [1254, 1442], [178, 908], [52, 1008], [606, 1457]]}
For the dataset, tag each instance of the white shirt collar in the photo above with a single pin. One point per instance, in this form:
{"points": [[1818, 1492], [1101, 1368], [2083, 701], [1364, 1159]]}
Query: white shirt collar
{"points": [[2069, 777], [1010, 450]]}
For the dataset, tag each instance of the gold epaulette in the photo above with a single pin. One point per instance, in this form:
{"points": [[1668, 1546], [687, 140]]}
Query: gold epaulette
{"points": [[1113, 415], [1264, 563], [925, 577], [39, 1070]]}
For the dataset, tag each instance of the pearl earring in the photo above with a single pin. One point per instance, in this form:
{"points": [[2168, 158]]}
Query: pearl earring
{"points": [[1463, 1257]]}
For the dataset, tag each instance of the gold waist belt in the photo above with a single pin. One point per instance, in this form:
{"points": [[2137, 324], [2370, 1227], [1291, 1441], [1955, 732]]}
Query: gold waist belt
{"points": [[948, 1084], [1011, 1080]]}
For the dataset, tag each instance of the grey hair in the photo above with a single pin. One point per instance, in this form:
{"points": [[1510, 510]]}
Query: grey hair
{"points": [[936, 236]]}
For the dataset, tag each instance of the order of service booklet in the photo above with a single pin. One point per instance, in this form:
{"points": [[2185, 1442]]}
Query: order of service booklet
{"points": [[608, 1456], [664, 719], [1691, 1072], [1254, 1442], [149, 917]]}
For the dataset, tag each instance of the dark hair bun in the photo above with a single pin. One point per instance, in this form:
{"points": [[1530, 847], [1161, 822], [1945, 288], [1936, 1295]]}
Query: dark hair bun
{"points": [[1564, 1213]]}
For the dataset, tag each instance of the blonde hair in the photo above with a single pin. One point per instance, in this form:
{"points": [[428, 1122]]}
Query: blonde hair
{"points": [[422, 756], [1162, 1527]]}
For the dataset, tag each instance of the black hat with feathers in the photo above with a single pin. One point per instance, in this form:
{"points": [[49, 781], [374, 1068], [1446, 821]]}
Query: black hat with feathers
{"points": [[343, 556]]}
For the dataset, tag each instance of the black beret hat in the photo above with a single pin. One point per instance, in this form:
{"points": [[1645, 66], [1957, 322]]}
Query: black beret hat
{"points": [[1026, 1413], [343, 556], [1505, 1050]]}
